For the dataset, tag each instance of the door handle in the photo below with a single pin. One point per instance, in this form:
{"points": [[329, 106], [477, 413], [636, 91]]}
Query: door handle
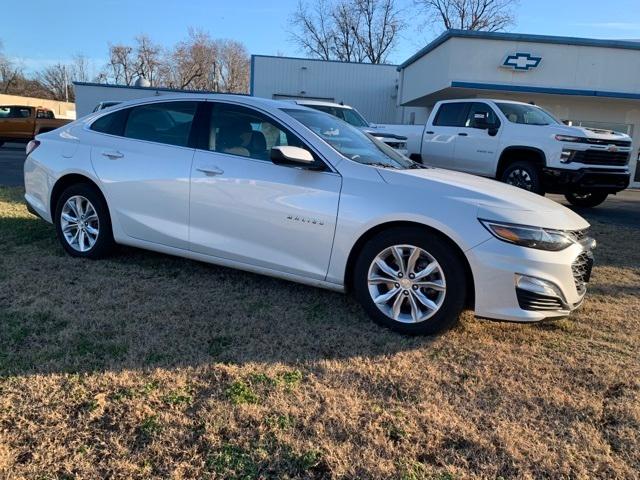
{"points": [[113, 155], [462, 134], [210, 171], [429, 132]]}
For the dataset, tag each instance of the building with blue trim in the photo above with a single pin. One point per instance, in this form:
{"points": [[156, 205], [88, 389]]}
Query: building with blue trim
{"points": [[588, 82]]}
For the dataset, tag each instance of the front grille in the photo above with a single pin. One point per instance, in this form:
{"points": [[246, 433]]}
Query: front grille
{"points": [[537, 302], [577, 235], [600, 157], [581, 269], [618, 143]]}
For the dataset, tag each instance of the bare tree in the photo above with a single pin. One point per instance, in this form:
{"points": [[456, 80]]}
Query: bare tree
{"points": [[233, 64], [148, 59], [10, 73], [56, 79], [80, 68], [488, 15], [314, 30], [379, 28], [122, 66], [191, 63], [346, 44], [348, 30]]}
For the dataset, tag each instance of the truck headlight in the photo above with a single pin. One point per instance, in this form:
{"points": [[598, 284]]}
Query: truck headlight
{"points": [[526, 236], [569, 138]]}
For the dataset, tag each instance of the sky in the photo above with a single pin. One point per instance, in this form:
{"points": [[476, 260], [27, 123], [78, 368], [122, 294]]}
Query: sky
{"points": [[58, 29]]}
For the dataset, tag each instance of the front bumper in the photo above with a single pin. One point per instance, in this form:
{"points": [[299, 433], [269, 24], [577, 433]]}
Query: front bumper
{"points": [[558, 180], [497, 267]]}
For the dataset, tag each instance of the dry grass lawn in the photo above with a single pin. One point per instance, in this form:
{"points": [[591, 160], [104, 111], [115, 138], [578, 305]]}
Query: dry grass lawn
{"points": [[148, 366]]}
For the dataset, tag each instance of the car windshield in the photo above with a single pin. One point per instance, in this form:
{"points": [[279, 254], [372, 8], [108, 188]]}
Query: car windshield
{"points": [[349, 141], [526, 114], [349, 115]]}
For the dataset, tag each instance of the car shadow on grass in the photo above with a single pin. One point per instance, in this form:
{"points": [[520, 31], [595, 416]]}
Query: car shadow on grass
{"points": [[142, 310]]}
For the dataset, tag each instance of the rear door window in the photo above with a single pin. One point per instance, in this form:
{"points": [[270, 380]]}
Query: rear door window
{"points": [[452, 114], [168, 122], [112, 124]]}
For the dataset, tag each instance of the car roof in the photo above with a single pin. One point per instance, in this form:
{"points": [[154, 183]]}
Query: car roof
{"points": [[250, 101], [322, 103], [490, 100]]}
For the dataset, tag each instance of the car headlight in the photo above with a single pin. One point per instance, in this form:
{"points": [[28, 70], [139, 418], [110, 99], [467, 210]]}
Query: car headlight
{"points": [[569, 138], [531, 237]]}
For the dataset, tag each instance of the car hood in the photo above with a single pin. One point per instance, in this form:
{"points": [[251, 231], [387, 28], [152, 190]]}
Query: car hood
{"points": [[595, 133], [494, 200]]}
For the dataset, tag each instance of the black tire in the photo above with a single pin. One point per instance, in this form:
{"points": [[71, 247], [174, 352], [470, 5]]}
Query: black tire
{"points": [[586, 199], [525, 175], [450, 263], [104, 243]]}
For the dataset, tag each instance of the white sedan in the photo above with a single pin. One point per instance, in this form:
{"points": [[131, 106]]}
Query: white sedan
{"points": [[283, 190]]}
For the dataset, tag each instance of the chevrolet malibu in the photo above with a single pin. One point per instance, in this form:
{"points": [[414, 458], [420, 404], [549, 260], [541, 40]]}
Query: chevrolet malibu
{"points": [[282, 190]]}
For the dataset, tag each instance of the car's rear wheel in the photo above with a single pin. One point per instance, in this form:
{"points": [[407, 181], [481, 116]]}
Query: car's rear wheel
{"points": [[586, 199], [411, 281], [82, 222], [525, 175]]}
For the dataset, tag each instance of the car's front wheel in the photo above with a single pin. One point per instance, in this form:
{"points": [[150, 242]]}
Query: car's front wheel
{"points": [[82, 222], [411, 280], [586, 199]]}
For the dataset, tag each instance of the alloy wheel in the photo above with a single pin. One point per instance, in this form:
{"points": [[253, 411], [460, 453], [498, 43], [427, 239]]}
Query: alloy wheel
{"points": [[406, 283], [79, 223], [520, 178]]}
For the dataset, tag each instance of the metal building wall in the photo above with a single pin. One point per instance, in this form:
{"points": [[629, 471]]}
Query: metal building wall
{"points": [[371, 89]]}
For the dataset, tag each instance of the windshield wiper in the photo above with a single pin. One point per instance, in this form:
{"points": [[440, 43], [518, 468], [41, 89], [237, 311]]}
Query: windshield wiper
{"points": [[380, 164]]}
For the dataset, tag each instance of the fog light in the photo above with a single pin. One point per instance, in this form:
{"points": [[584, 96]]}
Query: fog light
{"points": [[566, 156], [538, 285]]}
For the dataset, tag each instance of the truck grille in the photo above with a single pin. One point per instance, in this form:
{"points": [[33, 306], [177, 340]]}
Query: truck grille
{"points": [[619, 143], [581, 269], [600, 157]]}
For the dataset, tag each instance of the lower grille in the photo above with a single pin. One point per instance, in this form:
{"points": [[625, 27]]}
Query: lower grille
{"points": [[600, 157], [537, 302], [581, 269]]}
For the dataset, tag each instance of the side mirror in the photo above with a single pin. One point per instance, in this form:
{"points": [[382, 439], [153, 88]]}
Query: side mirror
{"points": [[292, 157], [492, 131]]}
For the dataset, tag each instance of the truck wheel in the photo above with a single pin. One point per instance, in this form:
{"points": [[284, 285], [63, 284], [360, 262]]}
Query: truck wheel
{"points": [[586, 199], [410, 281], [525, 175]]}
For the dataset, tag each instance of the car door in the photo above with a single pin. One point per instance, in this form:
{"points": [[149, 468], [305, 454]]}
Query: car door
{"points": [[439, 140], [476, 149], [246, 209], [143, 159]]}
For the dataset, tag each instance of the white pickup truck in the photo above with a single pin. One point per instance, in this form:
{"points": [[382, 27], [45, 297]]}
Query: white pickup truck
{"points": [[522, 145]]}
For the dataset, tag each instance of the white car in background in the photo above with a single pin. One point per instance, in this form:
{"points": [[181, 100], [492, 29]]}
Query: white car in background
{"points": [[275, 188], [355, 118]]}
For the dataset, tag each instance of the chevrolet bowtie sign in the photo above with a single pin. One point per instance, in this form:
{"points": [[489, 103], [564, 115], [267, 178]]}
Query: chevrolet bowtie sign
{"points": [[521, 62]]}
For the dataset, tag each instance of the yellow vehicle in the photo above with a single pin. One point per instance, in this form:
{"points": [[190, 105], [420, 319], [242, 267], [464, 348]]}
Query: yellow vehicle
{"points": [[21, 123]]}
